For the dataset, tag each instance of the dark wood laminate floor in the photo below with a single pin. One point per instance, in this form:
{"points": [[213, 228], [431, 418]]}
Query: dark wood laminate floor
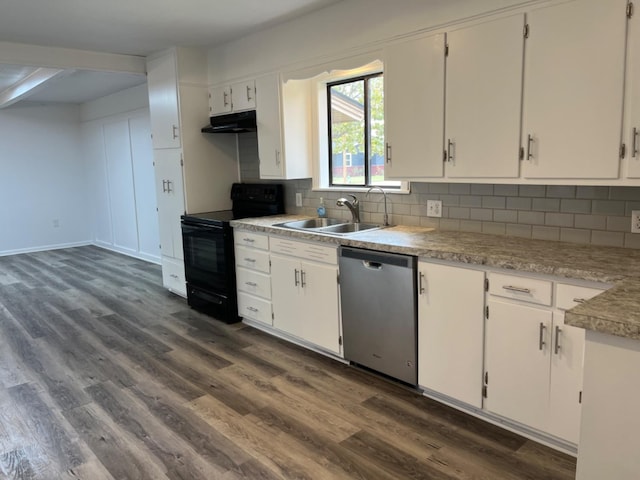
{"points": [[105, 375]]}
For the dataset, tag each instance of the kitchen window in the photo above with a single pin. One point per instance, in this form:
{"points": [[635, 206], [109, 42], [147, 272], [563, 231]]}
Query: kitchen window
{"points": [[355, 114]]}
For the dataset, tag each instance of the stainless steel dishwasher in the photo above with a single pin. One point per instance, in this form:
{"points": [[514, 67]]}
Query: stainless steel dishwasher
{"points": [[379, 312]]}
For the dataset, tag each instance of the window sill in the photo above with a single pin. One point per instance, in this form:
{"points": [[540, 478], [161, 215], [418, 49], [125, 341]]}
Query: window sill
{"points": [[389, 191]]}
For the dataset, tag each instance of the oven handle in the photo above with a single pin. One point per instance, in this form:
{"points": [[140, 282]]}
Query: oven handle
{"points": [[199, 227]]}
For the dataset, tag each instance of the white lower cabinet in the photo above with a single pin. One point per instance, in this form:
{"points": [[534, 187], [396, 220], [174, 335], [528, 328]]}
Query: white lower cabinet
{"points": [[450, 332], [252, 276], [517, 362], [533, 361], [305, 295]]}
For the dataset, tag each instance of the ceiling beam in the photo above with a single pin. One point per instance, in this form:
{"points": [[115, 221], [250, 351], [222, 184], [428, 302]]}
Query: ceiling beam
{"points": [[29, 85], [67, 58]]}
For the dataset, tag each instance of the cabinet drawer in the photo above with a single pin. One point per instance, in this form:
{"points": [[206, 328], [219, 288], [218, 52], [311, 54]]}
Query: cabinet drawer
{"points": [[568, 296], [173, 277], [520, 288], [254, 308], [304, 250], [253, 282], [250, 239], [252, 259]]}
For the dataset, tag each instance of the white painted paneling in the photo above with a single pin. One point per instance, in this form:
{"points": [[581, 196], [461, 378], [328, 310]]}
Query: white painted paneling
{"points": [[96, 166], [128, 100], [43, 179], [144, 186], [120, 180]]}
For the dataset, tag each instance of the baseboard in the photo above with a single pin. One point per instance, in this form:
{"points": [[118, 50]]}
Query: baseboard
{"points": [[129, 253], [44, 248]]}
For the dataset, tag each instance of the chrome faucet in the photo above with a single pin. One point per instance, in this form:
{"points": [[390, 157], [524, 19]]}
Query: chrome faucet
{"points": [[354, 206], [386, 215]]}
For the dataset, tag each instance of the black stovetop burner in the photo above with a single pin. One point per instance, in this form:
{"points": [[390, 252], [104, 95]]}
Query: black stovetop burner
{"points": [[249, 200]]}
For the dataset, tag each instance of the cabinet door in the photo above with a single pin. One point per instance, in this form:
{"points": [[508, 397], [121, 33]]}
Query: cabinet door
{"points": [[567, 358], [269, 127], [632, 107], [517, 362], [574, 76], [288, 312], [484, 99], [170, 197], [448, 328], [243, 96], [220, 100], [162, 81], [320, 316], [414, 108]]}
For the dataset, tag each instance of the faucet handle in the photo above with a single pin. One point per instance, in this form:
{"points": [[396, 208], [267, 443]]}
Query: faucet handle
{"points": [[355, 199]]}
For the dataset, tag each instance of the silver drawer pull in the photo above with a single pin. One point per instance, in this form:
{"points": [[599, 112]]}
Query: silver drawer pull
{"points": [[249, 240], [173, 275], [511, 288], [252, 309], [250, 260], [251, 284], [557, 347], [579, 300]]}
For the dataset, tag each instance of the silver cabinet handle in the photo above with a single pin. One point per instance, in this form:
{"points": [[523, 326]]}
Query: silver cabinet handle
{"points": [[296, 281], [248, 93], [579, 300], [173, 275], [388, 151], [511, 288], [169, 190], [164, 186], [248, 240], [225, 98], [251, 284], [303, 278], [250, 260], [253, 309], [450, 147], [175, 132], [634, 141], [541, 341], [556, 348], [277, 157], [421, 288], [529, 149]]}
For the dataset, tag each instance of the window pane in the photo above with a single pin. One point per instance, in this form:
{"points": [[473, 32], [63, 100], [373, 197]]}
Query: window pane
{"points": [[347, 133], [376, 138]]}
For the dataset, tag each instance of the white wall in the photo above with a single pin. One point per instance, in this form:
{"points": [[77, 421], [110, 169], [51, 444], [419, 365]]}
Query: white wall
{"points": [[342, 29], [43, 179]]}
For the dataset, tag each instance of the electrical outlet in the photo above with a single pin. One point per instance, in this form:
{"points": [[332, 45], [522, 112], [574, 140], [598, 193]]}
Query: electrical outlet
{"points": [[434, 208], [298, 199], [635, 221]]}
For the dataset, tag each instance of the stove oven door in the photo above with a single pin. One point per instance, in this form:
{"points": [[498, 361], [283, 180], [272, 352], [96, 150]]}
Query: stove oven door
{"points": [[208, 257]]}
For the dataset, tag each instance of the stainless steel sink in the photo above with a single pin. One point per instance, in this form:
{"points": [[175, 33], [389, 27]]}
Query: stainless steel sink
{"points": [[332, 226], [346, 228], [311, 223]]}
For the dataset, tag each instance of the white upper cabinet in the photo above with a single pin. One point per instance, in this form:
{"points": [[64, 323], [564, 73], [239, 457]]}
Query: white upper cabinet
{"points": [[162, 79], [283, 121], [632, 107], [574, 78], [414, 108], [232, 98], [484, 98]]}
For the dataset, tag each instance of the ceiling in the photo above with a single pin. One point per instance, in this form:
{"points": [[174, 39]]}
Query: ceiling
{"points": [[138, 27]]}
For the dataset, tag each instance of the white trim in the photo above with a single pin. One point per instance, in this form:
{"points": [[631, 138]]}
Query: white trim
{"points": [[128, 253], [43, 248]]}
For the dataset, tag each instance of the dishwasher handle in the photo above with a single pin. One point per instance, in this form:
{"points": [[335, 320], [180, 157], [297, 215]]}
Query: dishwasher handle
{"points": [[372, 265]]}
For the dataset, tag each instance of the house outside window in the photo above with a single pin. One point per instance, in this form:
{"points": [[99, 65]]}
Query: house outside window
{"points": [[356, 132]]}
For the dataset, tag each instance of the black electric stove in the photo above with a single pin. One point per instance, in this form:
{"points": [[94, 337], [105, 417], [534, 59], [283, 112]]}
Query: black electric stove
{"points": [[208, 248]]}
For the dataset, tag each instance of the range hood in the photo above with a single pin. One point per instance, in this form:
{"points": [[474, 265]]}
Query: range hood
{"points": [[232, 123]]}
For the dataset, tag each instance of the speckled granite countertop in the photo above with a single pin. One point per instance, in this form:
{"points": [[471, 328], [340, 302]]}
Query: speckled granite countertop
{"points": [[615, 312]]}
